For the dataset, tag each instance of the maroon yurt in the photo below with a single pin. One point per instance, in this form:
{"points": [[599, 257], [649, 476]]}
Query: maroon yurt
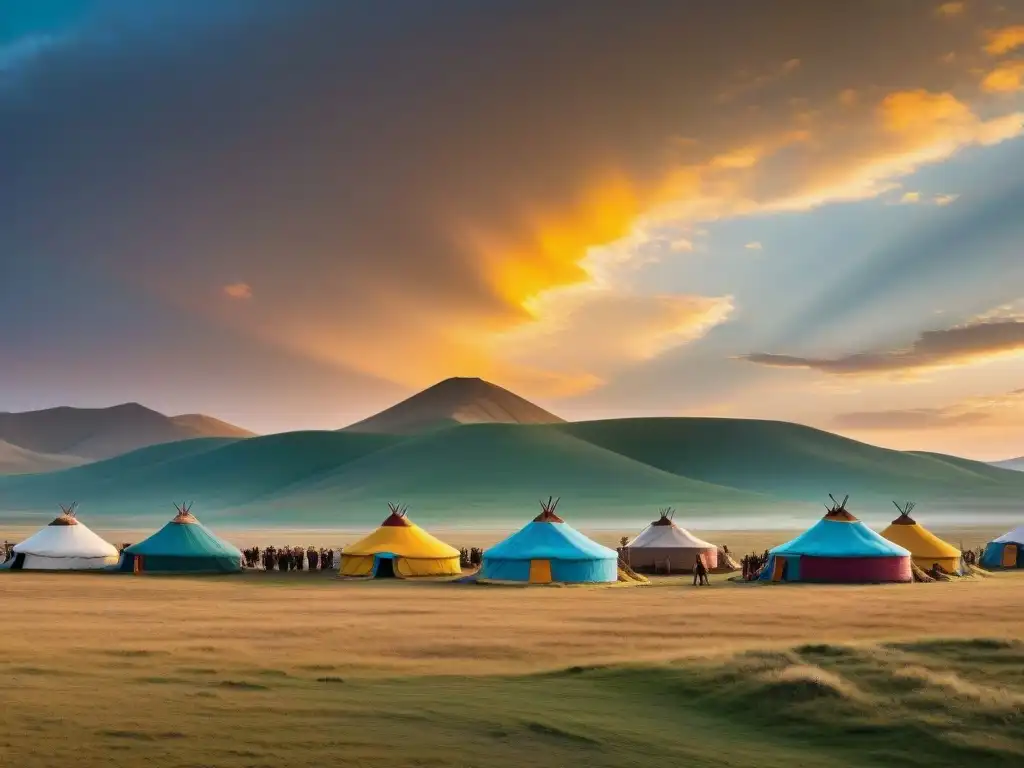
{"points": [[839, 549]]}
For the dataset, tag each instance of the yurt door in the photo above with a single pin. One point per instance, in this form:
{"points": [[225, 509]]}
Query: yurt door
{"points": [[778, 568], [540, 571], [137, 564], [1010, 556]]}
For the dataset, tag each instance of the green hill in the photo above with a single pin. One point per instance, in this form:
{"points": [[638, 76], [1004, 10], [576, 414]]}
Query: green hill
{"points": [[479, 474], [501, 469], [792, 461]]}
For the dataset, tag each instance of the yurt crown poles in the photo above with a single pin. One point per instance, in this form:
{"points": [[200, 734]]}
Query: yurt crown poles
{"points": [[547, 514], [67, 515]]}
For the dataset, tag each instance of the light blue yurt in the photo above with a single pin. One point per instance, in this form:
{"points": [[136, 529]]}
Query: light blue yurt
{"points": [[549, 550], [1005, 552]]}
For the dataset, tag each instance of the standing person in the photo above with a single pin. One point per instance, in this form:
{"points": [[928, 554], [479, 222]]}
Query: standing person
{"points": [[700, 573]]}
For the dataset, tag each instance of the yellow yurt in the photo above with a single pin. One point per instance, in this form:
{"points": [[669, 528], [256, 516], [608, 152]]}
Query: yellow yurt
{"points": [[926, 549], [399, 549]]}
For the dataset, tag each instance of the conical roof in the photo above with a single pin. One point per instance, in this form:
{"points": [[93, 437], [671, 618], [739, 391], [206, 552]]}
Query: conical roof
{"points": [[66, 537], [663, 533], [398, 535], [922, 543], [1016, 536]]}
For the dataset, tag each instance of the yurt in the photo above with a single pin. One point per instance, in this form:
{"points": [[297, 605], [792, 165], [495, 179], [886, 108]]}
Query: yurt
{"points": [[399, 548], [549, 550], [184, 545], [926, 549], [839, 549], [1005, 552], [665, 546], [66, 544]]}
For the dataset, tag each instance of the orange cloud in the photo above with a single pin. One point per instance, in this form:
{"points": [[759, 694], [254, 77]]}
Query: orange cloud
{"points": [[1008, 77], [1005, 40], [1000, 410], [950, 9], [238, 291]]}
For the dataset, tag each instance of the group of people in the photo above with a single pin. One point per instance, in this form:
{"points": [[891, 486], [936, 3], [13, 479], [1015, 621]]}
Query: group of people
{"points": [[289, 558], [470, 558], [752, 564]]}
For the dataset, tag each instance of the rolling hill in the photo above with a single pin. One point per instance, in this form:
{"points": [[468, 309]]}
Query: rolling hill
{"points": [[1014, 464], [15, 460], [90, 434], [492, 474], [455, 401]]}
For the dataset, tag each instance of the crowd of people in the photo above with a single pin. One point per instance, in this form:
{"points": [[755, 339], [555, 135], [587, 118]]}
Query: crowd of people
{"points": [[752, 564], [289, 558]]}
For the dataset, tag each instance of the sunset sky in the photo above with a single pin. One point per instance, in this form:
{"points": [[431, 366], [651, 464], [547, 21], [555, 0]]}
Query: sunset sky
{"points": [[292, 214]]}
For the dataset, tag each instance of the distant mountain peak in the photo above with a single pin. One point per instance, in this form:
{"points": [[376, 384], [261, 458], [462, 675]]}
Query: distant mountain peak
{"points": [[456, 400], [84, 434]]}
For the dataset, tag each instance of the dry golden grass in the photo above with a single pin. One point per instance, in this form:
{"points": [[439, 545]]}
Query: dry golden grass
{"points": [[286, 621], [300, 669]]}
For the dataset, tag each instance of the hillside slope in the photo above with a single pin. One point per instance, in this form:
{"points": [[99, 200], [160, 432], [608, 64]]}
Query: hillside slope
{"points": [[100, 433], [15, 460], [483, 474], [792, 461], [1015, 464], [455, 401]]}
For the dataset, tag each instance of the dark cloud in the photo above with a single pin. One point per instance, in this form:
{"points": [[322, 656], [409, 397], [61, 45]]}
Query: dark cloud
{"points": [[933, 349]]}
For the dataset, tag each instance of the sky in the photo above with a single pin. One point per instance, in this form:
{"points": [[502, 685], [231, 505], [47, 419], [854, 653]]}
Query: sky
{"points": [[292, 215]]}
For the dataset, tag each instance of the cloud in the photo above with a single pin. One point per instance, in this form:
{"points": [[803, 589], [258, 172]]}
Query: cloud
{"points": [[945, 199], [951, 9], [975, 343], [909, 419], [417, 198], [1004, 40], [977, 411], [238, 291], [910, 197], [1008, 77], [753, 246], [599, 332], [682, 244]]}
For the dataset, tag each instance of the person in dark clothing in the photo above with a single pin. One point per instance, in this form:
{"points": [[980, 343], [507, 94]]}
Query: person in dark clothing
{"points": [[700, 573], [313, 558]]}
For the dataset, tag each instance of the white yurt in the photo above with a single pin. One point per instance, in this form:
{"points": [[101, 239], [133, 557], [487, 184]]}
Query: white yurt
{"points": [[665, 547], [66, 544]]}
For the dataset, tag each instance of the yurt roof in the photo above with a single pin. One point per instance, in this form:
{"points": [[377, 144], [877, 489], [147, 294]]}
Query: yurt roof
{"points": [[184, 536], [1016, 536], [663, 533], [540, 540], [404, 539], [66, 540], [922, 543]]}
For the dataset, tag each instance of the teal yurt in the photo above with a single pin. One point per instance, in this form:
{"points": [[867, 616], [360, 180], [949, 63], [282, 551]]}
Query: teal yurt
{"points": [[549, 550], [184, 545], [1005, 552]]}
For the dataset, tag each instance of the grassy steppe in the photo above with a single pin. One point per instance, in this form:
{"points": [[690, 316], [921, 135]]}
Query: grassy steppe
{"points": [[271, 670]]}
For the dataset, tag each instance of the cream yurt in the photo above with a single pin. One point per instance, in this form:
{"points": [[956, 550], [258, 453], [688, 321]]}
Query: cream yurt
{"points": [[666, 547], [66, 544]]}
